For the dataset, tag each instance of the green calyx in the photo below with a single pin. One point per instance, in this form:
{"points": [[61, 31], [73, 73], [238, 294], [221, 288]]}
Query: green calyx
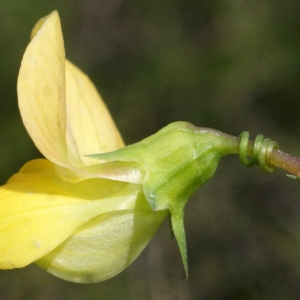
{"points": [[175, 162]]}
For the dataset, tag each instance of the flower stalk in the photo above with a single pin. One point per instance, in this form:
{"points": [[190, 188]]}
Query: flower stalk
{"points": [[286, 162], [271, 156]]}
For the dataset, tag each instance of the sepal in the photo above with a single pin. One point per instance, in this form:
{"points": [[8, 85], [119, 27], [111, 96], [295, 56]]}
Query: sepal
{"points": [[175, 161]]}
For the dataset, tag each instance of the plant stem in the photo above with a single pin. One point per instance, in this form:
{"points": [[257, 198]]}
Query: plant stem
{"points": [[285, 161], [281, 160]]}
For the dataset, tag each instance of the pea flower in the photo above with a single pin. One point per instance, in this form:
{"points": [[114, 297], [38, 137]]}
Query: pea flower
{"points": [[88, 210], [65, 213]]}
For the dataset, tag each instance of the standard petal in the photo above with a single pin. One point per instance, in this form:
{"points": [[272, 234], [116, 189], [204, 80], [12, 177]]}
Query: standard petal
{"points": [[90, 128], [105, 246], [38, 210], [41, 90]]}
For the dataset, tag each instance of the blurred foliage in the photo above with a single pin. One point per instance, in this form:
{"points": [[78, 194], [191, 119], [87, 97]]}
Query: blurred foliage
{"points": [[229, 65]]}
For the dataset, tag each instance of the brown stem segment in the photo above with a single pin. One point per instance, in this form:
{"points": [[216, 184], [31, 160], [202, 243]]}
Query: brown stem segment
{"points": [[281, 160], [285, 161]]}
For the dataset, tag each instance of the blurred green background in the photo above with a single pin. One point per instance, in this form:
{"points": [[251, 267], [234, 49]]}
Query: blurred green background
{"points": [[230, 65]]}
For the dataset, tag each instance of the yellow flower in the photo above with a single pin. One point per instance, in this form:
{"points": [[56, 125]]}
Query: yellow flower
{"points": [[79, 219], [87, 211]]}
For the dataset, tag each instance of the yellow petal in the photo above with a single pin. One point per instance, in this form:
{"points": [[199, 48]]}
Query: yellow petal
{"points": [[38, 210], [105, 246], [38, 25], [41, 90], [90, 128], [60, 107]]}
